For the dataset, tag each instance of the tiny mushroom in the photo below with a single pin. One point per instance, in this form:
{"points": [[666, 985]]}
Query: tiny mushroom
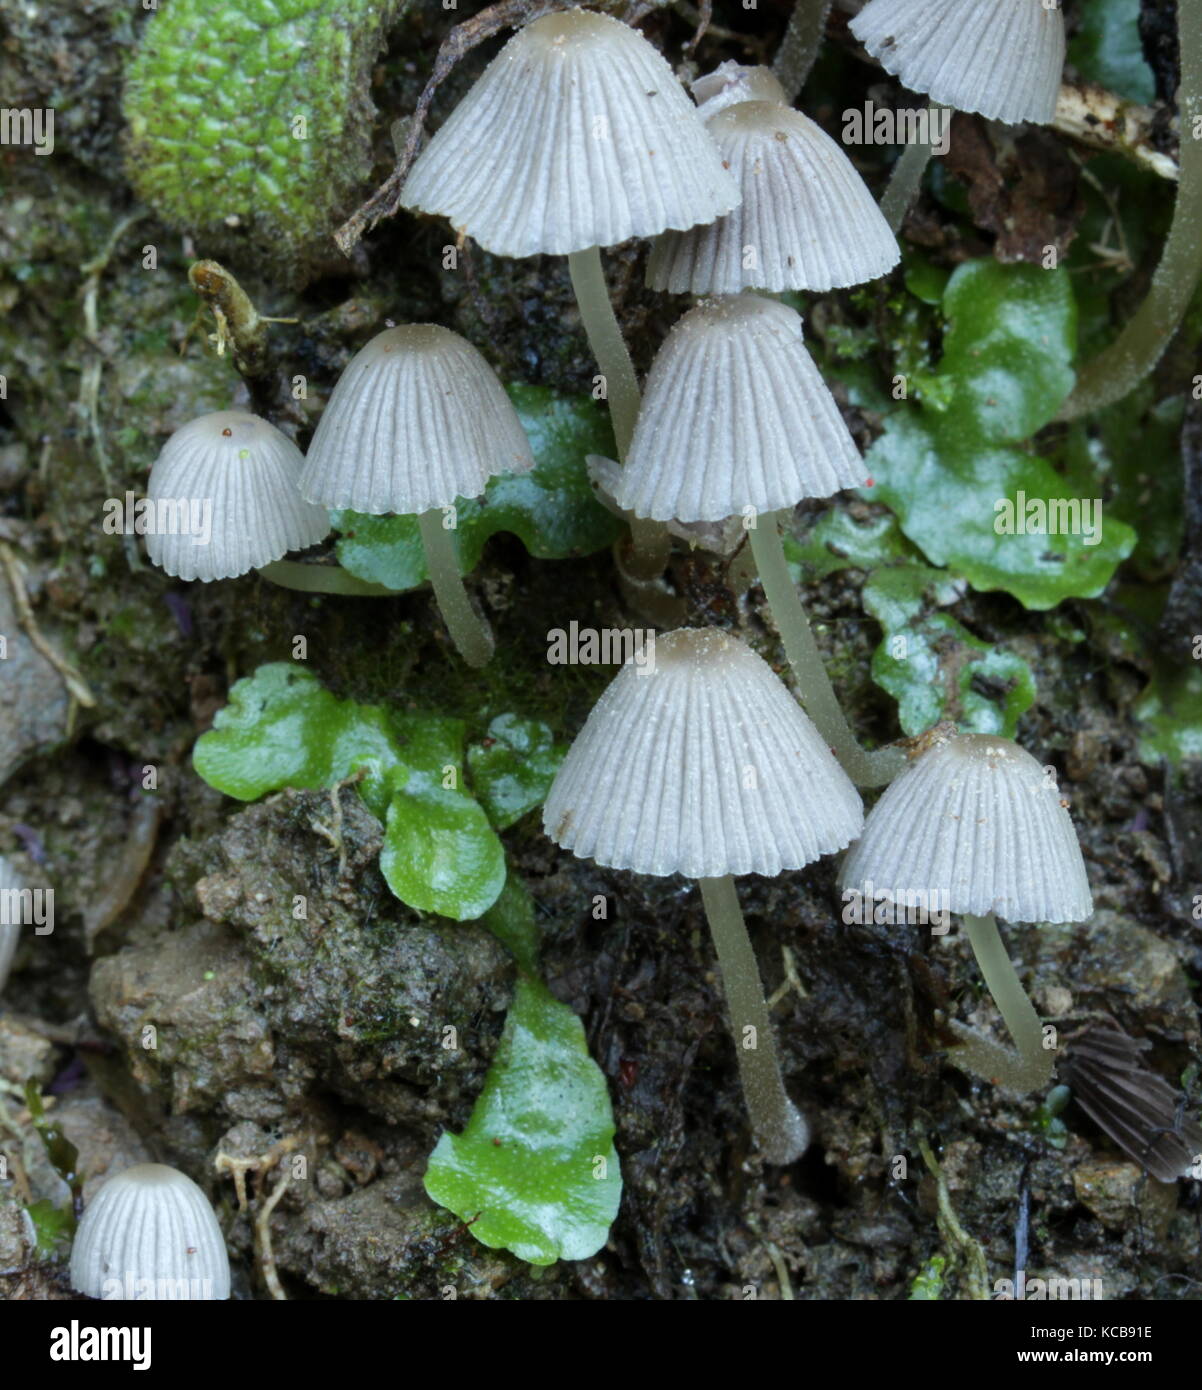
{"points": [[150, 1233], [807, 220], [577, 136], [418, 420], [735, 416], [223, 499], [976, 826], [699, 762], [1000, 58], [738, 421]]}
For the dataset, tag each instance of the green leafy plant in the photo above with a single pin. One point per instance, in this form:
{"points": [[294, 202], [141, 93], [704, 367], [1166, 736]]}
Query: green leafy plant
{"points": [[950, 455], [441, 853], [927, 660], [535, 1172]]}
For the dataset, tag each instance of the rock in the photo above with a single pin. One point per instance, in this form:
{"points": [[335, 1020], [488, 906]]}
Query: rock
{"points": [[33, 699], [18, 1237], [1115, 1192], [24, 1054]]}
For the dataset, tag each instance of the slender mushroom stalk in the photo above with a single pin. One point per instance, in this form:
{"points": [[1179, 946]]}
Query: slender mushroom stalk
{"points": [[800, 45], [608, 345], [1031, 1068], [866, 769], [779, 1129], [469, 631], [906, 179], [650, 543], [1118, 369]]}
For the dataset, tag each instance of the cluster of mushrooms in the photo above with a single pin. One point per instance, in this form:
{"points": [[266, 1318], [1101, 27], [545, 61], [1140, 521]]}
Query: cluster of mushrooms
{"points": [[578, 136]]}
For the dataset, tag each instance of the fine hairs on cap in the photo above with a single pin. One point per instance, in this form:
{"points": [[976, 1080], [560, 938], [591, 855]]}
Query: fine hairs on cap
{"points": [[807, 220], [1001, 58], [735, 415], [578, 134], [976, 818], [244, 473], [703, 765], [417, 420]]}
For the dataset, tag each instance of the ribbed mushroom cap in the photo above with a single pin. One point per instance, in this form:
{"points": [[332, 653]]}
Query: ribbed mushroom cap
{"points": [[10, 932], [245, 473], [703, 766], [150, 1223], [417, 419], [807, 220], [1001, 58], [735, 415], [576, 135], [730, 83], [976, 820]]}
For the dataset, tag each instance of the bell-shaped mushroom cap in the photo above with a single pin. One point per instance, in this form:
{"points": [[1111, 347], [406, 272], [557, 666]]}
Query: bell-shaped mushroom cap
{"points": [[10, 924], [576, 135], [978, 822], [225, 499], [417, 419], [730, 83], [1001, 58], [700, 763], [150, 1226], [735, 415], [807, 220]]}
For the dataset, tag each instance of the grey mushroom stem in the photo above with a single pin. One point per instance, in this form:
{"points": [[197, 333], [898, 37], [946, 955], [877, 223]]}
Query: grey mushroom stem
{"points": [[469, 631], [866, 769], [651, 544], [1031, 1068], [800, 45], [1119, 368], [906, 180], [776, 1122]]}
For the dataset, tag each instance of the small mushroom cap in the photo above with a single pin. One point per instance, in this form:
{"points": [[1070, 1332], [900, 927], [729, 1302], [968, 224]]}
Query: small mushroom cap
{"points": [[735, 415], [10, 931], [150, 1223], [807, 220], [978, 821], [417, 419], [577, 134], [702, 765], [244, 473], [1001, 58], [730, 83]]}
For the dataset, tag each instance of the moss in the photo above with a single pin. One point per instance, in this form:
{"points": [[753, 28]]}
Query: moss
{"points": [[255, 117]]}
